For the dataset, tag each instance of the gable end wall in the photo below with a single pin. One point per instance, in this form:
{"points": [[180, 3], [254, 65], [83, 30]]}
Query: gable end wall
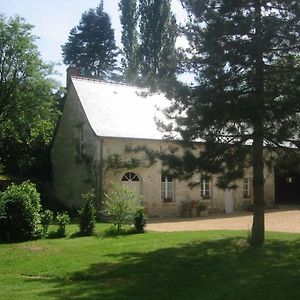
{"points": [[74, 174]]}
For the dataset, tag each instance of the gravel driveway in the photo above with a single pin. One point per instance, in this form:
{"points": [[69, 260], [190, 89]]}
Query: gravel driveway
{"points": [[284, 219]]}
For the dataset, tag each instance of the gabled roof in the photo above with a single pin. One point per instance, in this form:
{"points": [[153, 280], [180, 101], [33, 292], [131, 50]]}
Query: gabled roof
{"points": [[117, 110]]}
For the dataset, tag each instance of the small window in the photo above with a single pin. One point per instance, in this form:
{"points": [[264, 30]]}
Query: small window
{"points": [[246, 187], [130, 176], [205, 191], [167, 188]]}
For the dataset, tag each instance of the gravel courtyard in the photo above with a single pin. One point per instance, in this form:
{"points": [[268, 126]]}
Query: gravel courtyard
{"points": [[284, 219]]}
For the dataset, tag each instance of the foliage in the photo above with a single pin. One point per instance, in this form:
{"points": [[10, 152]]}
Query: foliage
{"points": [[115, 161], [19, 212], [140, 220], [121, 205], [158, 33], [46, 219], [87, 214], [91, 45], [246, 94], [149, 33], [129, 20], [27, 103], [62, 220]]}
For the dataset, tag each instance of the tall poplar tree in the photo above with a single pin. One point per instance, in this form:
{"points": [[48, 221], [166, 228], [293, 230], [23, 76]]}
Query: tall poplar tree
{"points": [[246, 94], [129, 21], [91, 45], [158, 33]]}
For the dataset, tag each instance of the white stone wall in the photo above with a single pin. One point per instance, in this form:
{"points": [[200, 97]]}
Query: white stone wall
{"points": [[151, 181], [74, 173]]}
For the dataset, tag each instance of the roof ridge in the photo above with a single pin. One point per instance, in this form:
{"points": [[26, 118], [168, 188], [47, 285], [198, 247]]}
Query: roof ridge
{"points": [[106, 82]]}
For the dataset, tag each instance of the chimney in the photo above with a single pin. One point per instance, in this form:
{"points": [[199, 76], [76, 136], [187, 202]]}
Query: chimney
{"points": [[71, 71]]}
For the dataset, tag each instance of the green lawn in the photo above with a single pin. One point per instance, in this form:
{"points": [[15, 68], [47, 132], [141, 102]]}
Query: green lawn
{"points": [[186, 265]]}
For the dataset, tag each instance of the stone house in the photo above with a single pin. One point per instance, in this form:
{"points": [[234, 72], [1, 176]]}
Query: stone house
{"points": [[100, 123]]}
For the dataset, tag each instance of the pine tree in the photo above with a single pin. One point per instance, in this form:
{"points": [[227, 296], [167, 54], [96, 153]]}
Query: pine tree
{"points": [[91, 45], [158, 33], [129, 20], [244, 57]]}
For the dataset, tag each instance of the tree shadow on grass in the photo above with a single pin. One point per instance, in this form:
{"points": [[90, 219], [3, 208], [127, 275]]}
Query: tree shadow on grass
{"points": [[217, 269]]}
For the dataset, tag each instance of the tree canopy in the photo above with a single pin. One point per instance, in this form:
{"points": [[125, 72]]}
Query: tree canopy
{"points": [[158, 33], [129, 21], [149, 33], [245, 57], [91, 45], [27, 102]]}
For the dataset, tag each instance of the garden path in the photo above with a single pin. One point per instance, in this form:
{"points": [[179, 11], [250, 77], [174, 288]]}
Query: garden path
{"points": [[283, 219]]}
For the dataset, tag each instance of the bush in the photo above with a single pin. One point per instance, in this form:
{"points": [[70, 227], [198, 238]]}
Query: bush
{"points": [[121, 205], [46, 219], [140, 220], [62, 220], [87, 214], [19, 212]]}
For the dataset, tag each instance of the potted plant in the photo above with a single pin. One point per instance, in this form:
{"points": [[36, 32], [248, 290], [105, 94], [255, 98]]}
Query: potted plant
{"points": [[185, 209], [194, 206], [202, 210]]}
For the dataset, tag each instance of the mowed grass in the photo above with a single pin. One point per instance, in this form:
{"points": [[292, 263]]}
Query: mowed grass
{"points": [[184, 265]]}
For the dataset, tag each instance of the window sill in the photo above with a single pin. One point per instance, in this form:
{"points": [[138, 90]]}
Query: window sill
{"points": [[167, 200]]}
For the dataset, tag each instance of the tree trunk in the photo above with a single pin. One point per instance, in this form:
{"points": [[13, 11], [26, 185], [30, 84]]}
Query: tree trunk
{"points": [[258, 226]]}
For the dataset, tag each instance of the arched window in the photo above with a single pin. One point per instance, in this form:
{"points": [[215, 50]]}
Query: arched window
{"points": [[130, 176]]}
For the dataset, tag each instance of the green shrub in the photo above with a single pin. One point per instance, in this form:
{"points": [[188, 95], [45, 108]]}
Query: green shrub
{"points": [[62, 220], [19, 212], [121, 205], [46, 219], [87, 214], [140, 220]]}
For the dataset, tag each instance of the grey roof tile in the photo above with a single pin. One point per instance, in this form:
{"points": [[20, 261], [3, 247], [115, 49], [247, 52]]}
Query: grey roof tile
{"points": [[118, 110]]}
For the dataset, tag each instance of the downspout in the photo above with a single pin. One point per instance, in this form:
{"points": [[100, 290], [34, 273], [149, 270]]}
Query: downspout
{"points": [[100, 174]]}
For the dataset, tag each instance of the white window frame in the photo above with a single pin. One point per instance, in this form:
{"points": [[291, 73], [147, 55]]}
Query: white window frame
{"points": [[246, 187], [167, 189], [205, 188]]}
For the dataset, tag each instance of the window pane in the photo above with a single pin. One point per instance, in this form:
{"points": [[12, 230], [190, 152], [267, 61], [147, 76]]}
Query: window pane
{"points": [[130, 176], [167, 188], [205, 188], [246, 187]]}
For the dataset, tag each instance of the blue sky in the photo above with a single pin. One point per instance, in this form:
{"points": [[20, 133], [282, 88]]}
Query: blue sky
{"points": [[53, 20]]}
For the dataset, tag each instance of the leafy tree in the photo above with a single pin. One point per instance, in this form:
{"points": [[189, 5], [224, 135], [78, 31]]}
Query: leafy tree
{"points": [[246, 93], [129, 20], [158, 33], [122, 205], [19, 212], [91, 45], [87, 214], [46, 219], [140, 220], [62, 220], [27, 102]]}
